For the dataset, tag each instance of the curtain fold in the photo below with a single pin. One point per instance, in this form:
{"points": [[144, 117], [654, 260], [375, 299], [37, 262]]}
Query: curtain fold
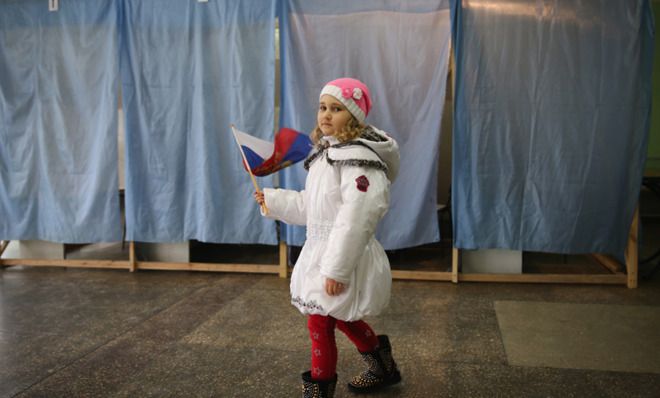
{"points": [[58, 123], [189, 70], [551, 123], [401, 51]]}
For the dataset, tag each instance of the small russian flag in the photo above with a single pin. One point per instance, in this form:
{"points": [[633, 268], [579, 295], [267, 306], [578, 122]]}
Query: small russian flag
{"points": [[265, 157]]}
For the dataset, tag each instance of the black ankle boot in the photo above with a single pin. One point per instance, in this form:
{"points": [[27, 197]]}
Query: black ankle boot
{"points": [[317, 389], [381, 369]]}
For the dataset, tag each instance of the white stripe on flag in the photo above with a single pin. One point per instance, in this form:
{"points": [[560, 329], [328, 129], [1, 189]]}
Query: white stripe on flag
{"points": [[260, 147]]}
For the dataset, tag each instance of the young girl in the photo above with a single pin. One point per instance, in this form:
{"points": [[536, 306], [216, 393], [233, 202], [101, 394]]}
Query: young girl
{"points": [[342, 273]]}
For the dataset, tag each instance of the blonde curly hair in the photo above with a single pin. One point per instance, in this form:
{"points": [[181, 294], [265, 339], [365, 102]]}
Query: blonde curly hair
{"points": [[350, 131]]}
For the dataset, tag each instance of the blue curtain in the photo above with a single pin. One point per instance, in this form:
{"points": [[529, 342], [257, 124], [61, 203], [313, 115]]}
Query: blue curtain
{"points": [[58, 123], [401, 51], [551, 122], [189, 70]]}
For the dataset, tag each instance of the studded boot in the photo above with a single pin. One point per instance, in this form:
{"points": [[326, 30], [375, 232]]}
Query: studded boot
{"points": [[381, 369], [317, 389]]}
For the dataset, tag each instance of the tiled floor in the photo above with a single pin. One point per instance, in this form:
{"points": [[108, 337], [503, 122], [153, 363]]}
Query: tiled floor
{"points": [[102, 333]]}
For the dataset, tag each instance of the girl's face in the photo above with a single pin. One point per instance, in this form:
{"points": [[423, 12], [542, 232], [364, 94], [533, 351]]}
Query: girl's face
{"points": [[332, 115]]}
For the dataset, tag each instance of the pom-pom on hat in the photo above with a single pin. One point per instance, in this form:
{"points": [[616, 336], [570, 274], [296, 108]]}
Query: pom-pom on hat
{"points": [[352, 93]]}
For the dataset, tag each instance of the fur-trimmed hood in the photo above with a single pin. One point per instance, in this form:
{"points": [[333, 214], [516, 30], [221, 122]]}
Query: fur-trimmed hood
{"points": [[372, 149]]}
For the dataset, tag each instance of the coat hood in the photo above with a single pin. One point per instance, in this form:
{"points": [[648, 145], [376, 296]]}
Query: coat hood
{"points": [[385, 147], [372, 149]]}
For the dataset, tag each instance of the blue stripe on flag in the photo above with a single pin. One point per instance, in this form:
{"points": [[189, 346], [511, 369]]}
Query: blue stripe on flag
{"points": [[252, 158]]}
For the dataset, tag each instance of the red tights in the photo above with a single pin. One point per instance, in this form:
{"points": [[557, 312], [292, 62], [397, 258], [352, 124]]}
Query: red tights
{"points": [[324, 348]]}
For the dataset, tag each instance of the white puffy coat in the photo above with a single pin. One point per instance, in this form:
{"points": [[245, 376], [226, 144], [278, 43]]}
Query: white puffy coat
{"points": [[346, 194]]}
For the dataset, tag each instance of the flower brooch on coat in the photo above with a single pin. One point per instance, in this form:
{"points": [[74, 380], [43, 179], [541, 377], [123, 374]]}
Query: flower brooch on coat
{"points": [[362, 183]]}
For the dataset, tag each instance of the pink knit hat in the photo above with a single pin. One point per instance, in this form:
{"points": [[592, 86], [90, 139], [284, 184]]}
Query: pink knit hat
{"points": [[352, 93]]}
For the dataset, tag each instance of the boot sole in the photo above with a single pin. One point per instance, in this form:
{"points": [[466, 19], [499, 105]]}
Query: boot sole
{"points": [[395, 379]]}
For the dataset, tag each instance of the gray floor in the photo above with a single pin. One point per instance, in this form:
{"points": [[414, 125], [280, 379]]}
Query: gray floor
{"points": [[104, 333]]}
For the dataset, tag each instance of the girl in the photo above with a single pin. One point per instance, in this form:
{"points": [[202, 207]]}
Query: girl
{"points": [[342, 273]]}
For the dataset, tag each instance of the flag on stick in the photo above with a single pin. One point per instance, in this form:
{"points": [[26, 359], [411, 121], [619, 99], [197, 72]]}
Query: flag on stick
{"points": [[264, 158]]}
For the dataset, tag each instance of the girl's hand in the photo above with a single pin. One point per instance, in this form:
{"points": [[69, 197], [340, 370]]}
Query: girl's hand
{"points": [[259, 197], [333, 288]]}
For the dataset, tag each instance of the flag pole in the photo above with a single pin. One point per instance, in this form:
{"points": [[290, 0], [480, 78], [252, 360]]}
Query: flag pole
{"points": [[247, 165]]}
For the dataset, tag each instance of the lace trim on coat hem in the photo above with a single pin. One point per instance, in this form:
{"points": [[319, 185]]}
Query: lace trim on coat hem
{"points": [[311, 305], [319, 230]]}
